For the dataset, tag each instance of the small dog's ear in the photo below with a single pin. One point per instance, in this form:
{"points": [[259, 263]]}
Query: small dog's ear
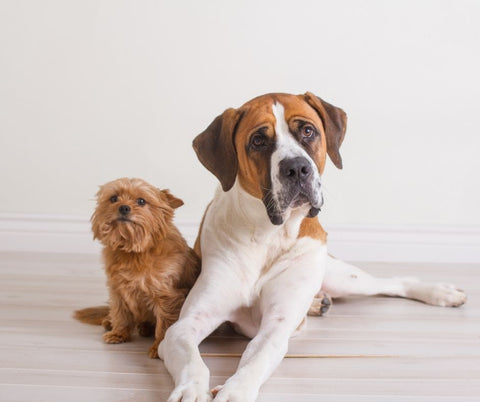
{"points": [[173, 201], [95, 225], [95, 219], [335, 124], [215, 147]]}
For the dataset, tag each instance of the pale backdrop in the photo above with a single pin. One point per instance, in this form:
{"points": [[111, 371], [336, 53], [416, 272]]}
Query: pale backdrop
{"points": [[95, 90]]}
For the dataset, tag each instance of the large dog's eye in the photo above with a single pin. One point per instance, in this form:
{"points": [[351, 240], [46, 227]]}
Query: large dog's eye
{"points": [[258, 140], [113, 199], [308, 131], [141, 202]]}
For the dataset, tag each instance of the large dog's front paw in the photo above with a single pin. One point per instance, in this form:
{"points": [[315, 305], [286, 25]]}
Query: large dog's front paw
{"points": [[238, 388], [234, 392], [190, 392]]}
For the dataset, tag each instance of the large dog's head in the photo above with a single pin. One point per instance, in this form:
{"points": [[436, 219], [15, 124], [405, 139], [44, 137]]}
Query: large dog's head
{"points": [[275, 145]]}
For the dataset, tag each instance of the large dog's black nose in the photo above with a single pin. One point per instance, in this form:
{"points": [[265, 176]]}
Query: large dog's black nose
{"points": [[296, 169], [124, 209]]}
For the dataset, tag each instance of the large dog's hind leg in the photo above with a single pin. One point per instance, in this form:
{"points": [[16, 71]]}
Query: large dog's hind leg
{"points": [[343, 279]]}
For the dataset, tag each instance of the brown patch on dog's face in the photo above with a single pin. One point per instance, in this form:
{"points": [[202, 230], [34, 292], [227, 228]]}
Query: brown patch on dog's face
{"points": [[255, 143], [132, 215]]}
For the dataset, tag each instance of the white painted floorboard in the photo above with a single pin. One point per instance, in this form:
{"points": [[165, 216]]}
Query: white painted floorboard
{"points": [[376, 349]]}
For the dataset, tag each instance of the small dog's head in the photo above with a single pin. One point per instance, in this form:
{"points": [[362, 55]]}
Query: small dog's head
{"points": [[132, 215]]}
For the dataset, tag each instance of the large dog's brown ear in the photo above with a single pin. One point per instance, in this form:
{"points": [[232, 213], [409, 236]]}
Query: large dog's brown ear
{"points": [[335, 123], [215, 147]]}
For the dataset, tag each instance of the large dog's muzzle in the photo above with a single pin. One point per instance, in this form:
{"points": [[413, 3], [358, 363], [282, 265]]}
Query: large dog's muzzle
{"points": [[299, 185]]}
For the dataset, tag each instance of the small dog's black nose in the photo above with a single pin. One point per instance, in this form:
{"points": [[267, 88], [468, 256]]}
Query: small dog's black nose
{"points": [[124, 209], [298, 168]]}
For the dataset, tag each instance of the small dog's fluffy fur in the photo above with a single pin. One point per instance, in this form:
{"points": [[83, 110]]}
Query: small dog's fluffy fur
{"points": [[149, 266]]}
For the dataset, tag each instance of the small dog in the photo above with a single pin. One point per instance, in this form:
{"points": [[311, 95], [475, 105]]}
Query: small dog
{"points": [[150, 268]]}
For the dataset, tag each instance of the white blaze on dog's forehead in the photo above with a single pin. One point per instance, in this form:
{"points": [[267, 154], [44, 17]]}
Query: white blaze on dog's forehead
{"points": [[281, 126], [287, 145]]}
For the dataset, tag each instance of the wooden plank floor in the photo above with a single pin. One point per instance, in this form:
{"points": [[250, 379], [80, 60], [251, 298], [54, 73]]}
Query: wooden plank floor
{"points": [[385, 349]]}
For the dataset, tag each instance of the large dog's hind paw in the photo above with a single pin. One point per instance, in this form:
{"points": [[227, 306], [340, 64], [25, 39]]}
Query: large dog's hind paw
{"points": [[437, 294], [446, 295], [320, 305]]}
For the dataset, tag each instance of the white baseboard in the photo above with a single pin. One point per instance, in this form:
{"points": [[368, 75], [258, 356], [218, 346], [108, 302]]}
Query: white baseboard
{"points": [[398, 243], [66, 234]]}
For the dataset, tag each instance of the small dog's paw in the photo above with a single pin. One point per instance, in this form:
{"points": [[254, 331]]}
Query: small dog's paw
{"points": [[153, 352], [320, 305], [115, 337], [146, 329], [191, 391], [107, 324]]}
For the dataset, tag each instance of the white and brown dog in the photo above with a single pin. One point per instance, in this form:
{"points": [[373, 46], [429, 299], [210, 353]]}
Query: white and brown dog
{"points": [[264, 253]]}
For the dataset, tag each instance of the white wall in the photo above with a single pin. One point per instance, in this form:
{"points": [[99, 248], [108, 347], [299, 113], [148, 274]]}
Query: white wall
{"points": [[94, 90]]}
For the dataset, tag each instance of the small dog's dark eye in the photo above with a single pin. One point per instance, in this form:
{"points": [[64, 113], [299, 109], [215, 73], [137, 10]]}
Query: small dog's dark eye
{"points": [[113, 199], [141, 202]]}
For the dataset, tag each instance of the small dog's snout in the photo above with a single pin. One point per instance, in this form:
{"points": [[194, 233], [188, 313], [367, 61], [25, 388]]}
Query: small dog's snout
{"points": [[296, 168], [124, 209]]}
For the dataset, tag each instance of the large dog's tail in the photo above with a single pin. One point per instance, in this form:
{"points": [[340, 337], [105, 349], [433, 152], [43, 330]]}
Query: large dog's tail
{"points": [[92, 315]]}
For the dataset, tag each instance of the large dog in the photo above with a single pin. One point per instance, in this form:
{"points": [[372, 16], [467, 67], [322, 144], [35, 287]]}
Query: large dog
{"points": [[264, 253]]}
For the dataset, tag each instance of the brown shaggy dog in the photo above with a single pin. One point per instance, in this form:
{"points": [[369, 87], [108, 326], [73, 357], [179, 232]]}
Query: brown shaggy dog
{"points": [[149, 266]]}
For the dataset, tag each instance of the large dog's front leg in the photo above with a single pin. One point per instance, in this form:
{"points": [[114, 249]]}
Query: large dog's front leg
{"points": [[206, 307], [179, 351], [262, 355], [283, 305]]}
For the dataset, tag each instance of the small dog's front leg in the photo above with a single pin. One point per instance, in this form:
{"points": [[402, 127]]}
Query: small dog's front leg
{"points": [[166, 310], [146, 328], [107, 323], [160, 329], [153, 352], [121, 321]]}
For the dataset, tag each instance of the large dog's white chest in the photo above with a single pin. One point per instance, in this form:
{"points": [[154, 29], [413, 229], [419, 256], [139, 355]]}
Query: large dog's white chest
{"points": [[259, 251]]}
